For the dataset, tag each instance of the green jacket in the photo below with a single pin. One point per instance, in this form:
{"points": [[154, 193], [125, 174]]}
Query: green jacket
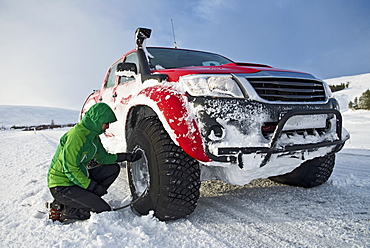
{"points": [[78, 146]]}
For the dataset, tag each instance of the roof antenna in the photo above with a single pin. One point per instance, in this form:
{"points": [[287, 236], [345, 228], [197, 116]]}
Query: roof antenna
{"points": [[173, 32]]}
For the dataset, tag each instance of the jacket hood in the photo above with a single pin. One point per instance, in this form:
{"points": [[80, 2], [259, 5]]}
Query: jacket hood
{"points": [[96, 116]]}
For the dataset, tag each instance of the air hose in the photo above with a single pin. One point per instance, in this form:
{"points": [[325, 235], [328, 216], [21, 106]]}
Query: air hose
{"points": [[137, 199], [132, 202]]}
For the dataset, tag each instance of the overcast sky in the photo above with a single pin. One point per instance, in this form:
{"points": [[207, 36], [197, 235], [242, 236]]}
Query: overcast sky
{"points": [[55, 52]]}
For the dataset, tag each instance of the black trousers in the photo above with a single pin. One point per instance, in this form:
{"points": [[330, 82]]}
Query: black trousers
{"points": [[79, 198]]}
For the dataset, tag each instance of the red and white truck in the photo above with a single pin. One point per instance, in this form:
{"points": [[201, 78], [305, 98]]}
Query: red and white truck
{"points": [[197, 115]]}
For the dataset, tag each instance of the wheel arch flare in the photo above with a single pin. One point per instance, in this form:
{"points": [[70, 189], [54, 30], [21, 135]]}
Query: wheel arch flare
{"points": [[172, 108]]}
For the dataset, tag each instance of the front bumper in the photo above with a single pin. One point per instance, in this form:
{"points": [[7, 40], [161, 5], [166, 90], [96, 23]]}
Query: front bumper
{"points": [[232, 130], [235, 154]]}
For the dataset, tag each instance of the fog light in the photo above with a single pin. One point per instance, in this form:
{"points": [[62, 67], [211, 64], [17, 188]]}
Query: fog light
{"points": [[216, 132], [268, 128]]}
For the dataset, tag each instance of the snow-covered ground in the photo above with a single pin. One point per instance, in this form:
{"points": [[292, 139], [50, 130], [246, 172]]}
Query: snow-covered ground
{"points": [[260, 214]]}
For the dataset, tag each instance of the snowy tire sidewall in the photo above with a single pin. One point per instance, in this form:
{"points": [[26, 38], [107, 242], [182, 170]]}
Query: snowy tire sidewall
{"points": [[174, 177], [309, 174]]}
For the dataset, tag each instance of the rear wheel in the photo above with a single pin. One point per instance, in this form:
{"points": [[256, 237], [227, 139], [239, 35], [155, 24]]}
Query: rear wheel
{"points": [[310, 173], [166, 179]]}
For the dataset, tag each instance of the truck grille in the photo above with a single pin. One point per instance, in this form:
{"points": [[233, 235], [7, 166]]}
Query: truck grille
{"points": [[288, 89]]}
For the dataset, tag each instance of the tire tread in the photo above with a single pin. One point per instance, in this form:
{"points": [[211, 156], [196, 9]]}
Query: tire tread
{"points": [[309, 174], [179, 174]]}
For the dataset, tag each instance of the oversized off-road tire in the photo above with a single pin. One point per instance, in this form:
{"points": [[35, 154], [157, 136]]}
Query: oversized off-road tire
{"points": [[310, 173], [170, 177]]}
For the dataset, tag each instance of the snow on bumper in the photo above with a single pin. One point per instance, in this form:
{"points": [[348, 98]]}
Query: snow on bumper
{"points": [[291, 140], [290, 145], [278, 164]]}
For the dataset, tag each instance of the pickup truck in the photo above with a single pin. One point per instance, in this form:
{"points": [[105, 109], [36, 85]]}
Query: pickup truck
{"points": [[198, 116]]}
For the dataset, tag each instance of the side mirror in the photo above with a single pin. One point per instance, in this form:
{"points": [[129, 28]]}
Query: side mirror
{"points": [[126, 69]]}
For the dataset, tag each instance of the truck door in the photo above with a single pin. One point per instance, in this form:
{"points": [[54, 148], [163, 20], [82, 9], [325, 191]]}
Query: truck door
{"points": [[108, 92]]}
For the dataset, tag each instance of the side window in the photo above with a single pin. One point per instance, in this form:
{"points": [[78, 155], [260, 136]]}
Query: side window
{"points": [[130, 58], [112, 77]]}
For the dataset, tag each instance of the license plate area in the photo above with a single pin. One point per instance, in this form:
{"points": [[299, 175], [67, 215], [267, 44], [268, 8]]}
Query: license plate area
{"points": [[301, 122]]}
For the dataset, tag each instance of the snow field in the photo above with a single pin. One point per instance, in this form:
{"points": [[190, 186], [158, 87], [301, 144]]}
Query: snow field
{"points": [[260, 214]]}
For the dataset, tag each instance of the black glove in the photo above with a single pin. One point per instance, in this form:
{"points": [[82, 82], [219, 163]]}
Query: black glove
{"points": [[96, 188], [129, 157]]}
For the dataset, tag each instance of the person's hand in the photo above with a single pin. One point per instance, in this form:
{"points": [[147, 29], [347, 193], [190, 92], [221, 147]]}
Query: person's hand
{"points": [[129, 157], [132, 157], [97, 189]]}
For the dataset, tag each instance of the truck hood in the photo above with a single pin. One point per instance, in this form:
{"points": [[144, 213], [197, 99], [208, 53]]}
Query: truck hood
{"points": [[234, 68]]}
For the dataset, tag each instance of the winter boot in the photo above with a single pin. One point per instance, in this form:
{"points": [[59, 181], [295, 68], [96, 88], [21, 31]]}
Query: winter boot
{"points": [[55, 210], [70, 215]]}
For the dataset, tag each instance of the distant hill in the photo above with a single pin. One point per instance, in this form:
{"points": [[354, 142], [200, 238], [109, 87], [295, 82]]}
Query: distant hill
{"points": [[11, 115], [358, 84]]}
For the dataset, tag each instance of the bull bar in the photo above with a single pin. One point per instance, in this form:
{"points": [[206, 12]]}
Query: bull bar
{"points": [[234, 154]]}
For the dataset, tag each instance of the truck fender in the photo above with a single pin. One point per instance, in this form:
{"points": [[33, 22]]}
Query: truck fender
{"points": [[90, 100], [172, 108]]}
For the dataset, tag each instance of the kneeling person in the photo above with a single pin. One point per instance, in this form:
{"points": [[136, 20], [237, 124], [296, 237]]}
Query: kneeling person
{"points": [[76, 189]]}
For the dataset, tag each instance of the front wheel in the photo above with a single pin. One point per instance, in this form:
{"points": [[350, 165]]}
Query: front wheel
{"points": [[310, 173], [166, 179]]}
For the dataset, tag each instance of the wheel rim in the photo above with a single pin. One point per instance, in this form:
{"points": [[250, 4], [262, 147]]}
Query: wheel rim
{"points": [[140, 173]]}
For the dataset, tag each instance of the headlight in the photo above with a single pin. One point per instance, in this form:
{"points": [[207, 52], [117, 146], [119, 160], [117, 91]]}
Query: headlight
{"points": [[220, 86], [329, 93], [328, 90]]}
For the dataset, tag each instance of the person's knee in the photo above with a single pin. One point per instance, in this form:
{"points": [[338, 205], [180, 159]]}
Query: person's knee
{"points": [[116, 168], [113, 169]]}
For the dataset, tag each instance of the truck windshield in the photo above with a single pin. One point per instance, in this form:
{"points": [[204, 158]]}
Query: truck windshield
{"points": [[167, 58]]}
